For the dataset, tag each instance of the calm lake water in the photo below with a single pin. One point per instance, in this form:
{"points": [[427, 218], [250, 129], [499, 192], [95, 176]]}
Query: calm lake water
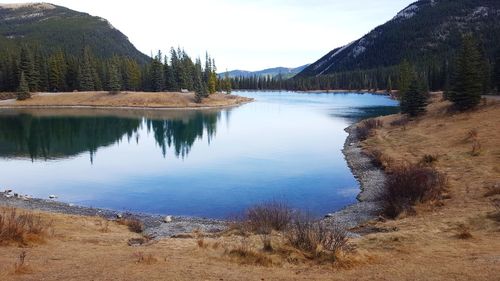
{"points": [[284, 146]]}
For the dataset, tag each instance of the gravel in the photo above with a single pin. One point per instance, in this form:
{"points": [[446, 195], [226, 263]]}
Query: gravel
{"points": [[371, 180]]}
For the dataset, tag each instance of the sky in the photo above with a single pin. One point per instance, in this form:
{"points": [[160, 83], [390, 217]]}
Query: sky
{"points": [[242, 34]]}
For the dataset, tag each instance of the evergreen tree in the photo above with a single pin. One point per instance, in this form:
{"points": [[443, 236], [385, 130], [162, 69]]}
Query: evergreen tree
{"points": [[414, 100], [467, 82], [157, 74], [227, 83], [27, 65], [496, 75], [406, 75], [23, 91], [86, 73], [114, 83], [389, 84]]}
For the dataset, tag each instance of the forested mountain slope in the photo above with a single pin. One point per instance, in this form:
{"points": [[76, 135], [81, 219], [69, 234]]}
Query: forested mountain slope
{"points": [[427, 33], [51, 28]]}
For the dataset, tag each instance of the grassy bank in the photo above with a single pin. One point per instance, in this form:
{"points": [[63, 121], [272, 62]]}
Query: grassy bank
{"points": [[126, 100]]}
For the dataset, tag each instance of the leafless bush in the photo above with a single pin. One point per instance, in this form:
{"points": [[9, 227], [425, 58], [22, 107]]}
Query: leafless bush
{"points": [[476, 148], [365, 129], [428, 159], [140, 257], [21, 227], [246, 255], [133, 224], [403, 121], [463, 232], [316, 239], [20, 266], [407, 185], [266, 217]]}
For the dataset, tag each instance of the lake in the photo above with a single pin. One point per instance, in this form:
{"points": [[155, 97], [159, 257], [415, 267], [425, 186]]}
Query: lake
{"points": [[207, 163]]}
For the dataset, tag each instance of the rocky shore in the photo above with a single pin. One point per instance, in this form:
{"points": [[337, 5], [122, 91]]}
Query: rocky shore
{"points": [[371, 180], [155, 225]]}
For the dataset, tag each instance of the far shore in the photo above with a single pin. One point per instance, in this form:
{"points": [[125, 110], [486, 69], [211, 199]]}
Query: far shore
{"points": [[125, 100]]}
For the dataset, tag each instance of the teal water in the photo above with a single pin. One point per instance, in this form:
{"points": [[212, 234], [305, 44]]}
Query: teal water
{"points": [[212, 163]]}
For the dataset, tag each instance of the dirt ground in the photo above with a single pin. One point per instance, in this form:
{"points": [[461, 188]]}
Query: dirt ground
{"points": [[125, 99], [425, 246]]}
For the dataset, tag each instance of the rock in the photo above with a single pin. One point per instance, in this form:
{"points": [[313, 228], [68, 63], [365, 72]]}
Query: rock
{"points": [[8, 191], [328, 215], [167, 219], [119, 216], [9, 195], [52, 196]]}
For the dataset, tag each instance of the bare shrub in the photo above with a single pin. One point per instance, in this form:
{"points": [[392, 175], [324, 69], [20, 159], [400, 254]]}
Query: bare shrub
{"points": [[428, 159], [21, 227], [403, 121], [408, 184], [472, 135], [476, 148], [133, 224], [365, 129], [201, 243], [316, 239], [379, 159], [246, 255], [20, 267], [140, 257], [463, 232], [265, 217]]}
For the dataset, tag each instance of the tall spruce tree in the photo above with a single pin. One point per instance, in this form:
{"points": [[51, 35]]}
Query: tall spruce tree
{"points": [[496, 75], [86, 73], [23, 91], [114, 83], [467, 84], [406, 75], [414, 100]]}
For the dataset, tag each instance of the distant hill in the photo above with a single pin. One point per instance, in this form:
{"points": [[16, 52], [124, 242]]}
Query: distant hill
{"points": [[272, 72], [54, 27], [426, 32]]}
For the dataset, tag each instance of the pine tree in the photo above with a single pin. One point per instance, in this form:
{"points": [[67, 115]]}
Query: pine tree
{"points": [[467, 82], [23, 91], [496, 75], [227, 83], [86, 73], [414, 100], [200, 89], [157, 74], [114, 83], [406, 75], [27, 65]]}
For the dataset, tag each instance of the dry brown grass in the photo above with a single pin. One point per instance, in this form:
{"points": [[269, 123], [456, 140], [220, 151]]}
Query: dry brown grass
{"points": [[126, 99], [20, 227], [141, 257]]}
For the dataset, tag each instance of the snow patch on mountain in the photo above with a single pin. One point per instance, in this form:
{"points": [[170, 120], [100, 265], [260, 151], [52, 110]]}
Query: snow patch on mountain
{"points": [[35, 6], [407, 13]]}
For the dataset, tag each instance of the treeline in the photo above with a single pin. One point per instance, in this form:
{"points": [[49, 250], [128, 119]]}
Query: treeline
{"points": [[436, 76], [62, 72]]}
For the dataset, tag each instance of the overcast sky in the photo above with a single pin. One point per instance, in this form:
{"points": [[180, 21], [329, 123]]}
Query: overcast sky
{"points": [[242, 34]]}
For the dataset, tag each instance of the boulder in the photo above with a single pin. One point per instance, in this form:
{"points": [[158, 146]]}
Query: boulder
{"points": [[167, 219]]}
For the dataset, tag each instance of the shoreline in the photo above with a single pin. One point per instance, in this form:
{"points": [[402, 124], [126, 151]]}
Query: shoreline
{"points": [[371, 181], [124, 100], [369, 177], [154, 225]]}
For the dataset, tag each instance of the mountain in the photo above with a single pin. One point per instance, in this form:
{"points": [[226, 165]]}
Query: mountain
{"points": [[54, 27], [426, 32], [272, 72]]}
